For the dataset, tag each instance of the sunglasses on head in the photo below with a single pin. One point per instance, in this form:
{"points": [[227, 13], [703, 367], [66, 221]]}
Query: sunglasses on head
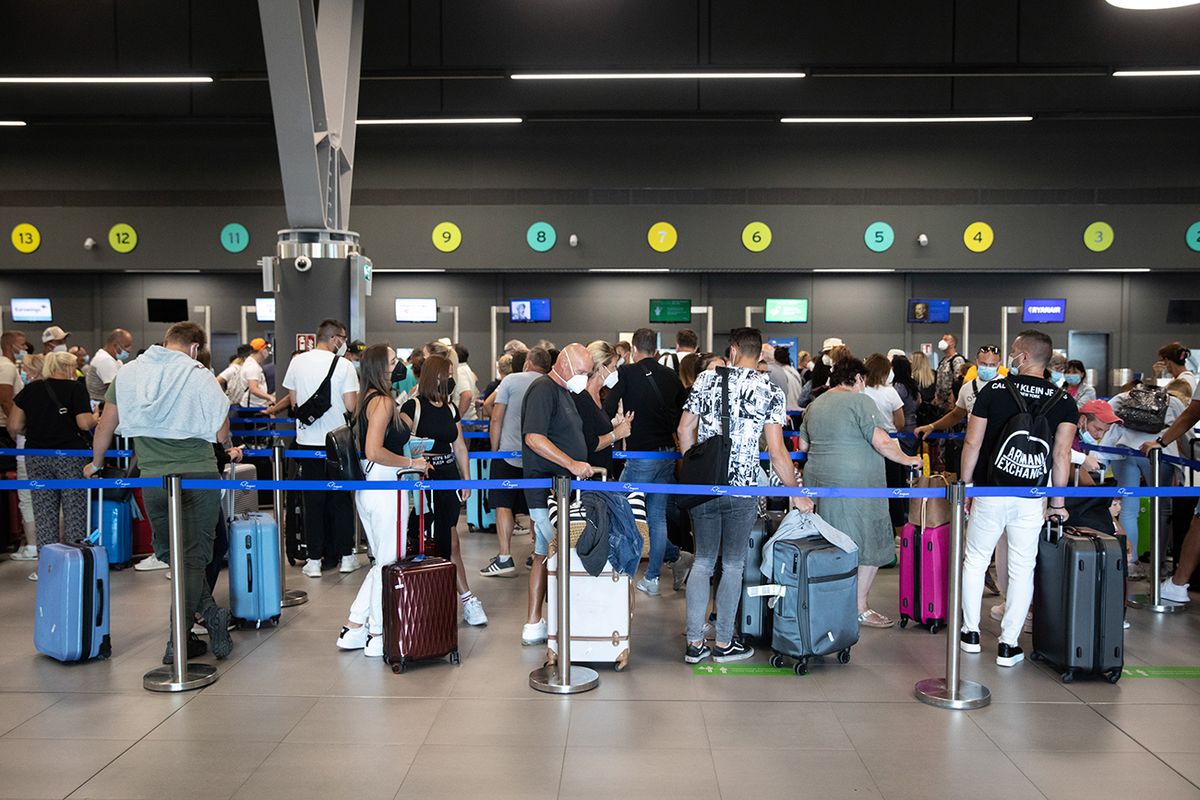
{"points": [[990, 348]]}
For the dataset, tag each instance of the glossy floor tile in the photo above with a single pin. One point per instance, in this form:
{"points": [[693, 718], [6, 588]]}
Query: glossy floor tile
{"points": [[292, 716]]}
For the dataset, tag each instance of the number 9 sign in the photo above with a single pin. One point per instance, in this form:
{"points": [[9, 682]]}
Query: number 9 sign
{"points": [[447, 237], [756, 237], [662, 237]]}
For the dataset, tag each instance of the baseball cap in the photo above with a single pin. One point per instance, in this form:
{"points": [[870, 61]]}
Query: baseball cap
{"points": [[53, 333], [831, 343], [895, 351], [258, 343], [1101, 410]]}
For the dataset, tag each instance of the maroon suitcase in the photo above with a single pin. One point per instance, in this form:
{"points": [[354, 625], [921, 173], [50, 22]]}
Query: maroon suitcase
{"points": [[420, 604]]}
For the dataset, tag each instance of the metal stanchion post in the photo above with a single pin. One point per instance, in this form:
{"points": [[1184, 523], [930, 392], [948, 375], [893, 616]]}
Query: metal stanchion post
{"points": [[287, 597], [952, 691], [180, 676], [564, 677], [1152, 600]]}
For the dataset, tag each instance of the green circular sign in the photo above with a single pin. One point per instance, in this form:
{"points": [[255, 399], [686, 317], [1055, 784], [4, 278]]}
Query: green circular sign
{"points": [[879, 237], [541, 236], [1193, 236], [234, 237]]}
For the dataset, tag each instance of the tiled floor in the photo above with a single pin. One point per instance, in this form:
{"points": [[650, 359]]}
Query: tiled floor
{"points": [[292, 717]]}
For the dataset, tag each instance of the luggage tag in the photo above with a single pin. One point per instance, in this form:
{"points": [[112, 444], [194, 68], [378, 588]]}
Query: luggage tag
{"points": [[771, 590]]}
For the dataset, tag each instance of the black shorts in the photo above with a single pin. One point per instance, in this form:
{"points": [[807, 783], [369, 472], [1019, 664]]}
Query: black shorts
{"points": [[538, 498], [513, 499]]}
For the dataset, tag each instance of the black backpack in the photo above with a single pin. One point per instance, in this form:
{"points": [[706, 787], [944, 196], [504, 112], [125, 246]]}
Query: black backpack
{"points": [[341, 455], [312, 409], [1022, 456], [1145, 410]]}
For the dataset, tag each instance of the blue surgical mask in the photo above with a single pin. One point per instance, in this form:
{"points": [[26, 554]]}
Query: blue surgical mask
{"points": [[1056, 377], [122, 355], [988, 373], [1074, 379], [1086, 437], [1014, 363], [19, 356]]}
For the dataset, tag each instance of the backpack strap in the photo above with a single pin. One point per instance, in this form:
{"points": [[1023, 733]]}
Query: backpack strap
{"points": [[1050, 404], [1022, 407]]}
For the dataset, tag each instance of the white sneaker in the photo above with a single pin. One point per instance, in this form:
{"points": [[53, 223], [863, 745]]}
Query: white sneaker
{"points": [[33, 576], [535, 633], [199, 630], [473, 611], [1173, 592], [648, 586], [1125, 625], [26, 552], [167, 575], [997, 612], [350, 563], [354, 638], [149, 563], [374, 646], [312, 568]]}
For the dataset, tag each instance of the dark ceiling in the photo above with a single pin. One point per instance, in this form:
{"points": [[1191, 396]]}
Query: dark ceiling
{"points": [[451, 57]]}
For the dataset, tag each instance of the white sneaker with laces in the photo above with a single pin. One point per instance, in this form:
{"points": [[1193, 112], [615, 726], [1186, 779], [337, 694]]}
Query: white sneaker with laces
{"points": [[150, 563], [354, 638], [350, 563], [199, 630], [33, 576], [1173, 592], [312, 568], [473, 611], [374, 646], [26, 552], [535, 633], [648, 586]]}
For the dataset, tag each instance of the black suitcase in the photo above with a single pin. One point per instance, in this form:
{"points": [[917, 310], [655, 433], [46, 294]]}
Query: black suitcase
{"points": [[293, 521], [755, 616], [1079, 603]]}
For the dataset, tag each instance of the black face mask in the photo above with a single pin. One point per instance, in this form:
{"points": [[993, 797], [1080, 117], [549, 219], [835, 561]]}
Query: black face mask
{"points": [[449, 387], [399, 372]]}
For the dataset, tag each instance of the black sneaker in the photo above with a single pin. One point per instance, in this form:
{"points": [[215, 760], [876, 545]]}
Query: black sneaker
{"points": [[694, 654], [1009, 655], [216, 619], [736, 651], [968, 641], [196, 648]]}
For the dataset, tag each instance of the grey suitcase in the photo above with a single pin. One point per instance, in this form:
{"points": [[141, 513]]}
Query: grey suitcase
{"points": [[245, 501], [755, 619], [1079, 603], [818, 612]]}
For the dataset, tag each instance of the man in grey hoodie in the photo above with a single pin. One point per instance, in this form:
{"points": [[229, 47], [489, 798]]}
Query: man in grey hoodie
{"points": [[174, 410]]}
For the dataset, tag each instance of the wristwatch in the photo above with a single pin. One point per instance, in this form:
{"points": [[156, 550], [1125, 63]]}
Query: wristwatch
{"points": [[1161, 443]]}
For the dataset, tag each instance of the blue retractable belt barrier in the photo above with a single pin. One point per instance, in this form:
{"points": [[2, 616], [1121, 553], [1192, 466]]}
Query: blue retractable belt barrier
{"points": [[250, 433], [86, 483], [482, 456], [25, 451], [476, 434], [1127, 452], [670, 455], [267, 420], [326, 486], [264, 453], [934, 435]]}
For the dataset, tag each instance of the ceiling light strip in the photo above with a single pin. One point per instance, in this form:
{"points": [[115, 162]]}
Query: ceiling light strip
{"points": [[11, 123], [893, 120], [628, 270], [840, 269], [110, 79], [1111, 270], [376, 271], [654, 76], [1157, 73], [444, 121], [1151, 5]]}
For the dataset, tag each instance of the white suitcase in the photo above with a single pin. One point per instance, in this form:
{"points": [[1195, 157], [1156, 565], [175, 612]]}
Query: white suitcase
{"points": [[245, 501], [601, 614]]}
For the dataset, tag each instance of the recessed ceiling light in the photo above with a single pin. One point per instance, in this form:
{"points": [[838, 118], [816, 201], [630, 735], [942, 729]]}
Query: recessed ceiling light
{"points": [[1151, 5], [444, 121], [11, 123], [1156, 73], [106, 79], [653, 76], [890, 120]]}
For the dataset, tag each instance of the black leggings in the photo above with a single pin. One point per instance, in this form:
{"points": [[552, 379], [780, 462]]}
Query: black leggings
{"points": [[445, 506]]}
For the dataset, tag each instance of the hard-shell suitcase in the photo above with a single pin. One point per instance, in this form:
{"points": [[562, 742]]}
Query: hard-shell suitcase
{"points": [[293, 520], [143, 534], [420, 603], [755, 619], [818, 612], [114, 522], [72, 617], [925, 571], [480, 514], [1078, 603], [254, 594]]}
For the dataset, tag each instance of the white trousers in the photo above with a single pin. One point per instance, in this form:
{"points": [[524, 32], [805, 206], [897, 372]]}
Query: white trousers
{"points": [[1022, 520], [384, 516]]}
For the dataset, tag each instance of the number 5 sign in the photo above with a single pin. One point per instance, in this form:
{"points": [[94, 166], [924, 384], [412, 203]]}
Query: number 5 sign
{"points": [[306, 342]]}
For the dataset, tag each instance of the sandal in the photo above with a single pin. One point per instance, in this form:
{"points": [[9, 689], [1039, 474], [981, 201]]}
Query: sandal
{"points": [[873, 619]]}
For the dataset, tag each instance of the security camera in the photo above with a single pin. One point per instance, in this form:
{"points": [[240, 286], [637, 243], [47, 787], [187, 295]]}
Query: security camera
{"points": [[922, 240], [89, 243], [573, 240], [303, 263]]}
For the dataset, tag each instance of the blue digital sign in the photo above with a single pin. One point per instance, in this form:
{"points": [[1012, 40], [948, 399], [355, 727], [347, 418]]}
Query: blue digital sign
{"points": [[924, 310], [1042, 309], [536, 309]]}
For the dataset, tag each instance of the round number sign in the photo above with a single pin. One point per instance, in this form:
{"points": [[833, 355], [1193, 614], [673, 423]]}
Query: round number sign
{"points": [[756, 237], [541, 236], [122, 238], [978, 237], [879, 237], [234, 237], [26, 238], [662, 236], [447, 237], [1098, 237]]}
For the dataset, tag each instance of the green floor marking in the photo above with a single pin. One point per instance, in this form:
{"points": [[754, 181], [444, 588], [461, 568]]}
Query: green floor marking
{"points": [[740, 669], [1176, 673]]}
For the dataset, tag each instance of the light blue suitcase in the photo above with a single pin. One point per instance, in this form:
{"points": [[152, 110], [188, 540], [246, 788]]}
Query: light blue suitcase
{"points": [[480, 514], [254, 568], [71, 622], [115, 530]]}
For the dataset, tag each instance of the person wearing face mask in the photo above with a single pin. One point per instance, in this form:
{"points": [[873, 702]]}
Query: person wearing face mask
{"points": [[950, 371], [108, 359], [847, 444], [1076, 382], [824, 362], [599, 430], [54, 340], [173, 409], [328, 526], [504, 409], [987, 368], [1056, 370]]}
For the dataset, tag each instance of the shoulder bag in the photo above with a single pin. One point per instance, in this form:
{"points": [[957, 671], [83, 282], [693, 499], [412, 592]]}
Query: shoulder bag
{"points": [[707, 463]]}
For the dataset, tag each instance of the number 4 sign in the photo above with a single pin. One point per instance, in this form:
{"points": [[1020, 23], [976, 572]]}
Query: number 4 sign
{"points": [[306, 342]]}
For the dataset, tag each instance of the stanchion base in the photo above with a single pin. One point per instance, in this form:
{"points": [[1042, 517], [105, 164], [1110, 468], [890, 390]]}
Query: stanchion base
{"points": [[1146, 603], [582, 679], [162, 679], [933, 691], [293, 597]]}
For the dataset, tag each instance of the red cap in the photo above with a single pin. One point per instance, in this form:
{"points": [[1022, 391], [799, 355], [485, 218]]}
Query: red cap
{"points": [[1101, 410]]}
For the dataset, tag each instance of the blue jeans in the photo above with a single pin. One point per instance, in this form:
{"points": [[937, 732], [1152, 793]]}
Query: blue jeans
{"points": [[645, 470], [1129, 472]]}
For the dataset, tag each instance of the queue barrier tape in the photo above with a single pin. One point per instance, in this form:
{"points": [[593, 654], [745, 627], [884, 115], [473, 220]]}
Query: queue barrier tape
{"points": [[25, 451], [85, 483], [476, 435], [670, 455], [1128, 452], [265, 453], [264, 420], [928, 436], [479, 455], [252, 433]]}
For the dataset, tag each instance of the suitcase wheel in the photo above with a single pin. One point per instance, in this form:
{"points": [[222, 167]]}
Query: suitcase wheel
{"points": [[934, 627], [622, 662], [801, 667], [398, 667], [1068, 676], [291, 561], [275, 621], [903, 621], [844, 656], [454, 658], [777, 661], [1113, 675], [1035, 656]]}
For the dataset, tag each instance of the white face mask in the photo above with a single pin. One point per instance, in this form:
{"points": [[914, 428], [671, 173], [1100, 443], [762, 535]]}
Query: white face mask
{"points": [[577, 383], [811, 365], [891, 377], [611, 380], [341, 351], [826, 360], [943, 345], [60, 348]]}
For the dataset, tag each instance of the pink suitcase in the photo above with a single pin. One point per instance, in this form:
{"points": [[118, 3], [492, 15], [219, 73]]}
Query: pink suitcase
{"points": [[924, 575]]}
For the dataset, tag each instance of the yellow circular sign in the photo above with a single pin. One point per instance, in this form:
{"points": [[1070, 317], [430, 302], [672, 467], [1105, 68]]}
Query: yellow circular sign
{"points": [[1098, 237], [26, 238], [756, 237], [122, 238], [978, 237], [662, 236], [447, 237]]}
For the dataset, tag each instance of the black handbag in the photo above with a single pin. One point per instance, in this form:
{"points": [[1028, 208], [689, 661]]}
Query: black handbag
{"points": [[707, 463]]}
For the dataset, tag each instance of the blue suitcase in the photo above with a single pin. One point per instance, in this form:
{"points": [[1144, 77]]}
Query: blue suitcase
{"points": [[71, 622], [254, 568], [480, 514], [115, 530], [818, 612]]}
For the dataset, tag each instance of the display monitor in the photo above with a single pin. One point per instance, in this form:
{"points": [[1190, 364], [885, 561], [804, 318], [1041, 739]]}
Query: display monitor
{"points": [[787, 309], [404, 353], [416, 309], [166, 310], [922, 310], [31, 309], [1043, 309], [530, 309], [264, 309], [668, 310]]}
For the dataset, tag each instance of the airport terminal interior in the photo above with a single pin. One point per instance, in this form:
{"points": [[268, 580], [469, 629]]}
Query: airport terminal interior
{"points": [[918, 183]]}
